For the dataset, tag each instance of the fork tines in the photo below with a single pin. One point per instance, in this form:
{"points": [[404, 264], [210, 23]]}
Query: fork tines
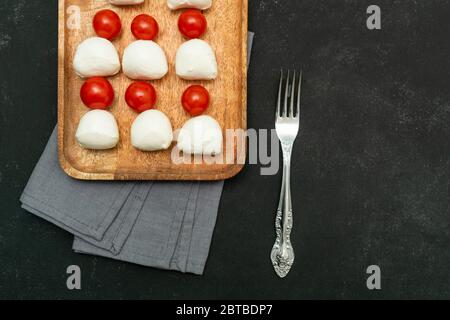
{"points": [[288, 108]]}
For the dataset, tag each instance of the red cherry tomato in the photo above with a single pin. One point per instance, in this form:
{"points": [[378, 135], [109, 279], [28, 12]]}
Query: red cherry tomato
{"points": [[195, 100], [97, 93], [144, 27], [141, 96], [107, 24], [192, 23]]}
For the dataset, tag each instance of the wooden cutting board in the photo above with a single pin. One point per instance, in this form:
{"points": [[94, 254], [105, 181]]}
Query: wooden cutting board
{"points": [[227, 34]]}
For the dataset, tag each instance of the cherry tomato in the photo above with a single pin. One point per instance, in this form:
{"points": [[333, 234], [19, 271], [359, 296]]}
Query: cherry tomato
{"points": [[195, 100], [141, 96], [107, 24], [144, 27], [97, 93], [192, 23]]}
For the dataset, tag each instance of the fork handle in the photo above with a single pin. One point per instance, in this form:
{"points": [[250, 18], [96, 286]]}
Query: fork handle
{"points": [[282, 253]]}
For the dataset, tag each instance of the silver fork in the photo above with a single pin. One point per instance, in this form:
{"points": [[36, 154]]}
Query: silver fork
{"points": [[287, 125]]}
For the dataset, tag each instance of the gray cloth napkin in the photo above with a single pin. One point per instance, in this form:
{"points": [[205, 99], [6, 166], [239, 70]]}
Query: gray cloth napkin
{"points": [[167, 225]]}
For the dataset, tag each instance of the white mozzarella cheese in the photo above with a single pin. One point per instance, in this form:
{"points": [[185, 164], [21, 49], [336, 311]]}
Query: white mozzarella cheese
{"points": [[196, 60], [98, 130], [96, 57], [201, 136], [151, 131], [181, 4], [144, 60]]}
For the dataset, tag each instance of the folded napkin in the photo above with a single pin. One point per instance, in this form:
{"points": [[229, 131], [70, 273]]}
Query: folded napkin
{"points": [[167, 225]]}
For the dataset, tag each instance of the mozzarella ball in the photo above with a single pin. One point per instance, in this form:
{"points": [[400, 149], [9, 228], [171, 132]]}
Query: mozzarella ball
{"points": [[195, 60], [181, 4], [144, 60], [151, 131], [125, 2], [98, 130], [201, 136], [96, 57]]}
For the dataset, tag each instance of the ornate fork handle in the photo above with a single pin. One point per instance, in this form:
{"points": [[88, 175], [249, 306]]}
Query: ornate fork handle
{"points": [[283, 253]]}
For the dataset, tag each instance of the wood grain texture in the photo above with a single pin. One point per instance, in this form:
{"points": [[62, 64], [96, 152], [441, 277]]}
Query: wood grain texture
{"points": [[227, 34]]}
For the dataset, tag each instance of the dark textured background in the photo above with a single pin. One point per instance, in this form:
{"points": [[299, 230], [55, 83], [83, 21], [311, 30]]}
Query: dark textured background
{"points": [[371, 173]]}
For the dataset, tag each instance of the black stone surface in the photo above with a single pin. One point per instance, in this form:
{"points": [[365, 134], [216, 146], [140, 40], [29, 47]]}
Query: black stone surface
{"points": [[370, 176]]}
